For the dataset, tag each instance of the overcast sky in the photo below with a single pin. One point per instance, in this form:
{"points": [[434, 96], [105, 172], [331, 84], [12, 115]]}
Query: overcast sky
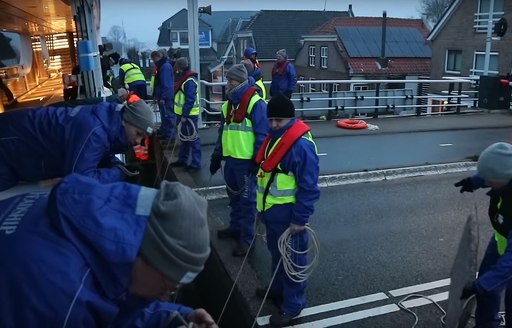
{"points": [[141, 18]]}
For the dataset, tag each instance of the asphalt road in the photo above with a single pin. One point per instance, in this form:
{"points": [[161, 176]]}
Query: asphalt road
{"points": [[382, 236], [382, 151]]}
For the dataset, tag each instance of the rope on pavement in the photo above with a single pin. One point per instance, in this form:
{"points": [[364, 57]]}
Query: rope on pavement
{"points": [[238, 276], [400, 305]]}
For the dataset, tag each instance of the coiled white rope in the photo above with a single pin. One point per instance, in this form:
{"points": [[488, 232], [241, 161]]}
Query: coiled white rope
{"points": [[298, 273], [187, 138]]}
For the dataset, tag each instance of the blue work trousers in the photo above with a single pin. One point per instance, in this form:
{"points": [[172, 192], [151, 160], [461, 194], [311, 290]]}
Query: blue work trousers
{"points": [[139, 89], [241, 190], [168, 127], [277, 219], [488, 303], [190, 150]]}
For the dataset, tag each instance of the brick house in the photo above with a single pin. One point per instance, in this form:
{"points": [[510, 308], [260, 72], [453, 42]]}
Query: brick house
{"points": [[458, 40]]}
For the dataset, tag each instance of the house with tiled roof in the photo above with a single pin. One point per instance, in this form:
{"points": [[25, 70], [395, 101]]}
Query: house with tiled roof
{"points": [[352, 48], [271, 30], [459, 40]]}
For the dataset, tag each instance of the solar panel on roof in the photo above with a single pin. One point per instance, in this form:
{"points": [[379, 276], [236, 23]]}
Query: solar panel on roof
{"points": [[365, 41]]}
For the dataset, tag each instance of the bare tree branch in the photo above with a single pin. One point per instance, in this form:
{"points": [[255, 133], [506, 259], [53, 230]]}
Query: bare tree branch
{"points": [[434, 9]]}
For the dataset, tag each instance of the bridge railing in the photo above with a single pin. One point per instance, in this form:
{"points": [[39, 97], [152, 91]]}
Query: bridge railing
{"points": [[363, 98]]}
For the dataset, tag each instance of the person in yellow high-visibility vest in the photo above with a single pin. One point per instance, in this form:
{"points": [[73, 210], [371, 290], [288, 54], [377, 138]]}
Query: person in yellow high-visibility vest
{"points": [[494, 169], [286, 194], [131, 75], [242, 131], [186, 108]]}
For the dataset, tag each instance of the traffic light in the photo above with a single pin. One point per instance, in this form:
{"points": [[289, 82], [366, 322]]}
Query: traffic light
{"points": [[205, 10], [500, 27]]}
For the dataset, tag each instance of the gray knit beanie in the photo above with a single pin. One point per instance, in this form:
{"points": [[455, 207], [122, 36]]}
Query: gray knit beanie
{"points": [[249, 67], [177, 240], [282, 53], [181, 63], [238, 73], [139, 114], [495, 162]]}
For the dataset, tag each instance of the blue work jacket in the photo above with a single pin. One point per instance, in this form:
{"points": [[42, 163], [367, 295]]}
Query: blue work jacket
{"points": [[47, 142], [67, 257]]}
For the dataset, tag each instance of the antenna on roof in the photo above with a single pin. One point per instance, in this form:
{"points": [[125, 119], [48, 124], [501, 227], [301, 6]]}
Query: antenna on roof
{"points": [[325, 4]]}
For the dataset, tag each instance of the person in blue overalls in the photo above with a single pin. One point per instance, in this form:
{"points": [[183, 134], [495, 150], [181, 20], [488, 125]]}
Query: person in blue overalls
{"points": [[50, 142], [243, 129], [101, 255], [494, 170], [187, 110], [286, 195], [163, 93]]}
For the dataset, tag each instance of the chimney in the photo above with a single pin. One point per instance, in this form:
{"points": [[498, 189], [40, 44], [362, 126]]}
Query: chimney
{"points": [[350, 12], [383, 61]]}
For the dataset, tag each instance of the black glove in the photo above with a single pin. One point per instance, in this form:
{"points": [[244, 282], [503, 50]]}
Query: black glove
{"points": [[215, 164], [468, 290], [288, 94], [130, 170], [465, 185]]}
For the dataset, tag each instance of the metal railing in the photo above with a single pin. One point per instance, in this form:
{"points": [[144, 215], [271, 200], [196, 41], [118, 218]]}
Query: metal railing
{"points": [[456, 95]]}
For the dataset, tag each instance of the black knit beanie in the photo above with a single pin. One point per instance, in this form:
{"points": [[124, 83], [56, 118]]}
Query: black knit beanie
{"points": [[280, 107]]}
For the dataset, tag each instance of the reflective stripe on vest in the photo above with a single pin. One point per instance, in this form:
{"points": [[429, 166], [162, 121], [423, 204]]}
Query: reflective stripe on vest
{"points": [[179, 99], [260, 84], [132, 73], [501, 241], [238, 138], [284, 187]]}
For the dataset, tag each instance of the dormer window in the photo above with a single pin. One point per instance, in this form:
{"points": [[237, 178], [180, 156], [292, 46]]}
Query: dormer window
{"points": [[485, 12]]}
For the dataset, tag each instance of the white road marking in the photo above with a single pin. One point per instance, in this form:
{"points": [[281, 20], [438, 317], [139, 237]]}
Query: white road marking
{"points": [[419, 288], [344, 318], [367, 313], [322, 154], [445, 145], [332, 306]]}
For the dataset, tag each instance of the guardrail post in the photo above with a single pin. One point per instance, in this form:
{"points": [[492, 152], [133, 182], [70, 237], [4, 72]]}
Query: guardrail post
{"points": [[207, 95], [459, 93], [377, 94]]}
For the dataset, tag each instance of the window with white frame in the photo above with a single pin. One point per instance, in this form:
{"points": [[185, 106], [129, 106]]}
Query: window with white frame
{"points": [[335, 87], [302, 87], [484, 13], [453, 61], [312, 87], [323, 57], [360, 87], [324, 87], [183, 38], [312, 57], [174, 37], [479, 63]]}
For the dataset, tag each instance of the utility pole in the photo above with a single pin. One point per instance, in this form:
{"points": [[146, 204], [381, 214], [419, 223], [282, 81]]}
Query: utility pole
{"points": [[193, 35], [488, 39]]}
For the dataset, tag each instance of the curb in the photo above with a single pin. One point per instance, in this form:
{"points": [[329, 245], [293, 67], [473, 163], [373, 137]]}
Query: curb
{"points": [[219, 192]]}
